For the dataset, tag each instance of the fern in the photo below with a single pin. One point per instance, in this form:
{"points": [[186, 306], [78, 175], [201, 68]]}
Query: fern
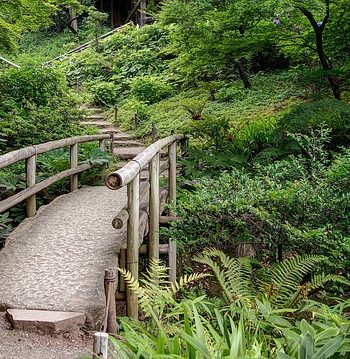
{"points": [[233, 274]]}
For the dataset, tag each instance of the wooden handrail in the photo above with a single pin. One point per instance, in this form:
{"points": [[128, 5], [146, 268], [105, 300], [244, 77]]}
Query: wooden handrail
{"points": [[26, 152], [125, 175], [130, 175], [30, 153]]}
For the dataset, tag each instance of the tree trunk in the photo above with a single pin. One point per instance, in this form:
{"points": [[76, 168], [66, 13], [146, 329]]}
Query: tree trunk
{"points": [[243, 74], [73, 21]]}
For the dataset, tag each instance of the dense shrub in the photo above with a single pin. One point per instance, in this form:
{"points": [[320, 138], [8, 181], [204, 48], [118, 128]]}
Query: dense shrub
{"points": [[35, 107], [150, 89], [104, 93]]}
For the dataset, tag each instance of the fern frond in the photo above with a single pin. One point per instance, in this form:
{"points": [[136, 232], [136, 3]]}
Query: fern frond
{"points": [[320, 280], [185, 281], [287, 276], [233, 274]]}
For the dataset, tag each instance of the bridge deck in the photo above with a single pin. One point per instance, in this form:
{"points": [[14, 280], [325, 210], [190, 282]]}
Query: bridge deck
{"points": [[56, 260]]}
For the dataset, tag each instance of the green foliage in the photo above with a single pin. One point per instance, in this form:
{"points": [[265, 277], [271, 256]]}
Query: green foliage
{"points": [[180, 326], [150, 89], [35, 107], [104, 93]]}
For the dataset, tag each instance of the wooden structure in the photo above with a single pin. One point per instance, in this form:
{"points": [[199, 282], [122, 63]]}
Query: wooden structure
{"points": [[29, 154], [122, 11], [129, 176]]}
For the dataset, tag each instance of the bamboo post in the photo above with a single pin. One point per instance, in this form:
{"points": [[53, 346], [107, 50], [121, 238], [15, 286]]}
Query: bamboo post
{"points": [[102, 145], [122, 265], [154, 208], [111, 144], [111, 309], [30, 179], [133, 243], [73, 164], [172, 261], [172, 178], [100, 348]]}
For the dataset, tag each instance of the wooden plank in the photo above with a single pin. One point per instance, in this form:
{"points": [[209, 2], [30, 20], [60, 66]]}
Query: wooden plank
{"points": [[168, 219], [125, 175], [133, 243], [21, 196], [24, 153], [74, 153], [31, 179], [172, 177], [154, 208]]}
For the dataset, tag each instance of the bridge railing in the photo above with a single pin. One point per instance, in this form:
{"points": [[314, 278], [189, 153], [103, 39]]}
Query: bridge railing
{"points": [[129, 176], [29, 154]]}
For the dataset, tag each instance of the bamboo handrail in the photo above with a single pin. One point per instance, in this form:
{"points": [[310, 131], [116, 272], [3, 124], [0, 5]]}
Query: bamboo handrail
{"points": [[26, 152], [30, 153], [125, 175]]}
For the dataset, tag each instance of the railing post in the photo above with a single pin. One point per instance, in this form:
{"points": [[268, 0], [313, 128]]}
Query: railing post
{"points": [[102, 145], [110, 324], [133, 243], [111, 145], [74, 149], [30, 179], [154, 208], [172, 177], [100, 347]]}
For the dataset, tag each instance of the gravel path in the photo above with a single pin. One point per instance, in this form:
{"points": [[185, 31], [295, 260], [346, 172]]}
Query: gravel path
{"points": [[20, 345], [56, 260]]}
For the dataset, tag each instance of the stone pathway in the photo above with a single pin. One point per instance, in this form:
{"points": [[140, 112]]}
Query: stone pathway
{"points": [[56, 260]]}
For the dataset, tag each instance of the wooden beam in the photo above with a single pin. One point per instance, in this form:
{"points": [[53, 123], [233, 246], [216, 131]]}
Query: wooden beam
{"points": [[125, 175], [10, 62], [133, 244], [26, 152], [31, 179], [74, 153], [154, 207], [172, 178]]}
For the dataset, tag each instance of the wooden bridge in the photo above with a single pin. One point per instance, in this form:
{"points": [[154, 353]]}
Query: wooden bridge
{"points": [[55, 260]]}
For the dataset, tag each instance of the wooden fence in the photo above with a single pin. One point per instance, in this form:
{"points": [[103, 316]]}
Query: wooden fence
{"points": [[129, 176], [29, 154]]}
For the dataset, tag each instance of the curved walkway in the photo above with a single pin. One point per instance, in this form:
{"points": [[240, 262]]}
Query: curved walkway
{"points": [[56, 260]]}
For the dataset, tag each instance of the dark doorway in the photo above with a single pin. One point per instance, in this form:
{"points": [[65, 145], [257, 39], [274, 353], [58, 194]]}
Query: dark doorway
{"points": [[118, 10]]}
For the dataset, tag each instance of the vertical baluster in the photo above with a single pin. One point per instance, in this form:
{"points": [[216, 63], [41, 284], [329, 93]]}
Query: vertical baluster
{"points": [[172, 177], [102, 145], [30, 179], [133, 242], [154, 208], [74, 153]]}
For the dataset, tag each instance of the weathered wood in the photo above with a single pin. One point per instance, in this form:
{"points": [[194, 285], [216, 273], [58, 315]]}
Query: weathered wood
{"points": [[172, 178], [24, 153], [154, 208], [172, 261], [111, 144], [102, 145], [111, 325], [31, 179], [144, 249], [100, 348], [125, 175], [133, 243], [10, 62], [21, 196], [122, 265], [168, 219], [74, 152]]}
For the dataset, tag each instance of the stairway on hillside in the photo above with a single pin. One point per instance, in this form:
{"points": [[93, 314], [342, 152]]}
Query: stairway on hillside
{"points": [[125, 147]]}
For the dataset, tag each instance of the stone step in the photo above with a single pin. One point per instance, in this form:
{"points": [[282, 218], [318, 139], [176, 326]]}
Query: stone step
{"points": [[128, 153], [46, 322], [108, 130], [94, 117], [94, 110], [99, 124], [121, 136], [127, 143]]}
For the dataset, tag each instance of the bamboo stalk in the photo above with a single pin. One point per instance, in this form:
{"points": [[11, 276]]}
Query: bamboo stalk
{"points": [[111, 309], [100, 348], [172, 261], [125, 175], [74, 152], [154, 208], [133, 243], [31, 179], [172, 178]]}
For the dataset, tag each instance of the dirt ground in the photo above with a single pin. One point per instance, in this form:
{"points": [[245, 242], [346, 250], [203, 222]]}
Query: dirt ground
{"points": [[20, 345]]}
